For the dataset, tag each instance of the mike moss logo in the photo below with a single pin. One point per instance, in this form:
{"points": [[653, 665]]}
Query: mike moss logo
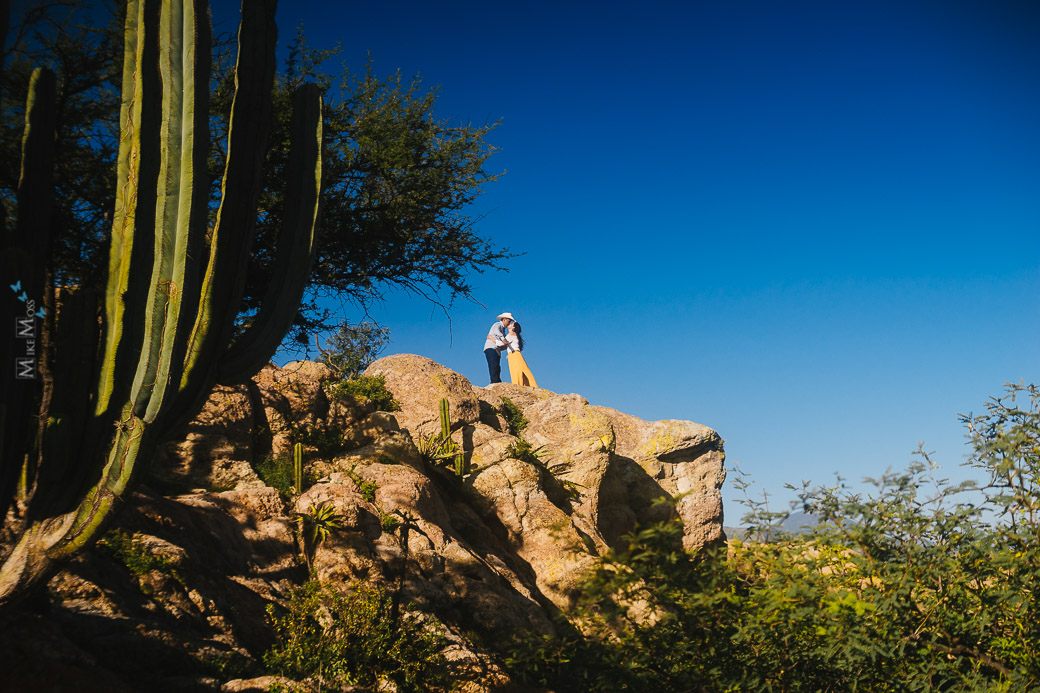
{"points": [[25, 329]]}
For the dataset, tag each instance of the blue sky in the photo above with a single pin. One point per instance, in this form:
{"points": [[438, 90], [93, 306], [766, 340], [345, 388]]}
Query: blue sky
{"points": [[813, 226]]}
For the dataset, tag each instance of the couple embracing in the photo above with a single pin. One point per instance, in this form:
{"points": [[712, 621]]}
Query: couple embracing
{"points": [[504, 335]]}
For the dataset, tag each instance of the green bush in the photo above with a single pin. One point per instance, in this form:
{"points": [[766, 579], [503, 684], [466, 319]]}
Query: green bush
{"points": [[366, 488], [277, 472], [516, 422], [355, 639], [326, 439], [919, 585], [521, 450], [368, 389], [368, 491], [128, 551], [389, 522]]}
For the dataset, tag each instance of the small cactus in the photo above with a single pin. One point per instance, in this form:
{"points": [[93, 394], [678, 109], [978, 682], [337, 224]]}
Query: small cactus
{"points": [[445, 422], [459, 460], [441, 449], [297, 456]]}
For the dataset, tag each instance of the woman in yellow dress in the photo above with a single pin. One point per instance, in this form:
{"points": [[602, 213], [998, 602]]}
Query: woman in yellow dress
{"points": [[519, 372]]}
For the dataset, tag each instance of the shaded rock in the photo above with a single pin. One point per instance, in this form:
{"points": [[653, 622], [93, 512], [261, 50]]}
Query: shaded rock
{"points": [[396, 447], [177, 593], [484, 445], [540, 533], [37, 656], [299, 384], [680, 458], [242, 425], [215, 447], [291, 398]]}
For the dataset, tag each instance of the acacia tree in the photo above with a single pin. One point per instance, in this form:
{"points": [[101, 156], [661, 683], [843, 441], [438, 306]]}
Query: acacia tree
{"points": [[398, 184], [398, 180], [86, 61]]}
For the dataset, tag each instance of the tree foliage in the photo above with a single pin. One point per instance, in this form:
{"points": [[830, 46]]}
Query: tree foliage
{"points": [[919, 585], [87, 60], [354, 347], [398, 184], [398, 181]]}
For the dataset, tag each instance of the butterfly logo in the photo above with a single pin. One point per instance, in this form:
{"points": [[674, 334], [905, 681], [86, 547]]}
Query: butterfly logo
{"points": [[16, 287], [40, 313]]}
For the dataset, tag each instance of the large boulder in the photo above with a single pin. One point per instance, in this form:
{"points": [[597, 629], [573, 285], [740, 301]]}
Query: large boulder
{"points": [[419, 384], [595, 472], [683, 460], [182, 599]]}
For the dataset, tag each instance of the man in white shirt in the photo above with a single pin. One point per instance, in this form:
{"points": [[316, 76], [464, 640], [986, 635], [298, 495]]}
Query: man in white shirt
{"points": [[496, 344]]}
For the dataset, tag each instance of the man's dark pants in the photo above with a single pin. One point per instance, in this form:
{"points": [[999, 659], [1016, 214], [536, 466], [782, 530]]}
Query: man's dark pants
{"points": [[494, 360]]}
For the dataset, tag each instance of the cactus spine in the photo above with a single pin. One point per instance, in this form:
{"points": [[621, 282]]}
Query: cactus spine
{"points": [[173, 292]]}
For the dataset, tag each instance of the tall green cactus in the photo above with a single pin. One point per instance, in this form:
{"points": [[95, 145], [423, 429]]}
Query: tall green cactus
{"points": [[445, 422], [297, 456], [174, 289]]}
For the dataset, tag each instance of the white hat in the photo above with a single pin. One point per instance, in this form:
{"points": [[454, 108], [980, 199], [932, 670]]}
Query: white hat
{"points": [[507, 315]]}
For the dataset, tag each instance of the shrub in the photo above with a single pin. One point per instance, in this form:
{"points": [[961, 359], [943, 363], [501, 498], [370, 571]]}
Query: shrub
{"points": [[516, 422], [128, 550], [389, 522], [277, 472], [366, 488], [326, 439], [316, 525], [370, 389], [919, 585], [355, 639], [521, 450]]}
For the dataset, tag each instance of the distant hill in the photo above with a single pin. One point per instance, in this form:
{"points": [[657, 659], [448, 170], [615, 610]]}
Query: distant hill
{"points": [[799, 523], [796, 523]]}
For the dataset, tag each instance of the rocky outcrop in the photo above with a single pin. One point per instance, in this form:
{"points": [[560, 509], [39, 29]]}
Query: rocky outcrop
{"points": [[494, 553]]}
